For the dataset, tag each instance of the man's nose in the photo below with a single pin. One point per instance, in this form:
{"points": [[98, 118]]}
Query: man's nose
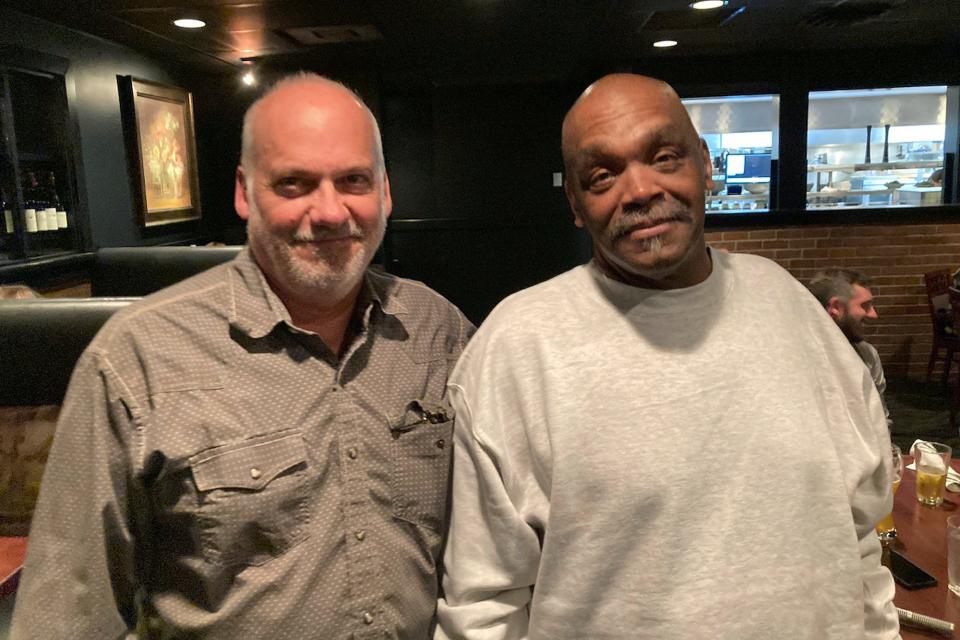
{"points": [[872, 314], [641, 183], [327, 207]]}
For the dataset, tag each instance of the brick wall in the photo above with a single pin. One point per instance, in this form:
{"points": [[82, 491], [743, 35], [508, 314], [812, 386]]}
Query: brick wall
{"points": [[894, 256]]}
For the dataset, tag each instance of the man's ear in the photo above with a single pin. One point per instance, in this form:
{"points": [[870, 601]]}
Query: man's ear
{"points": [[240, 195], [387, 200], [707, 165], [572, 200], [836, 308]]}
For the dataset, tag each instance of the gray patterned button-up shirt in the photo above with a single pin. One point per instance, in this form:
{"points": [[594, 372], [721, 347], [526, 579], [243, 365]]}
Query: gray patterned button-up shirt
{"points": [[224, 474]]}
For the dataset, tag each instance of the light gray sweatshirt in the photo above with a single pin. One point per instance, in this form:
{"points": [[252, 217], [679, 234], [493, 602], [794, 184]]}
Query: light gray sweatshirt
{"points": [[704, 462]]}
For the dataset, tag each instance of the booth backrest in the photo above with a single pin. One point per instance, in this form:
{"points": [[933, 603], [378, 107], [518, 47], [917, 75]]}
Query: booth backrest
{"points": [[139, 271], [40, 342]]}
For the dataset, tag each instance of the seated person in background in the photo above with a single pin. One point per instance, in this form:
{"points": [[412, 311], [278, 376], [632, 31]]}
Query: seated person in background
{"points": [[17, 292], [260, 451], [846, 296]]}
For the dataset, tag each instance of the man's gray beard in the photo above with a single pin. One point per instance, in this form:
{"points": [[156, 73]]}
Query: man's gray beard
{"points": [[654, 245], [322, 275]]}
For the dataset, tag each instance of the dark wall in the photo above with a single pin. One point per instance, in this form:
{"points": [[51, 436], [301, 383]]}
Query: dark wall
{"points": [[94, 65], [475, 215]]}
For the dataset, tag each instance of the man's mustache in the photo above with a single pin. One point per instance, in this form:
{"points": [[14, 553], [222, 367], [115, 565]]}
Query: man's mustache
{"points": [[351, 230], [643, 217]]}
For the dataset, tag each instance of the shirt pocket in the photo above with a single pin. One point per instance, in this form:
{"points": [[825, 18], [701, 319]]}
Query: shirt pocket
{"points": [[253, 498], [422, 441]]}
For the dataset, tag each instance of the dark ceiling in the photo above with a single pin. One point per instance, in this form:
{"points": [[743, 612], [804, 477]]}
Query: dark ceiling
{"points": [[470, 39]]}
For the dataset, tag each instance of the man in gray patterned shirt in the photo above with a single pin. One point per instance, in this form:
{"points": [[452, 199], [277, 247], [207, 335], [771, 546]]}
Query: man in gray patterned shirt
{"points": [[260, 451]]}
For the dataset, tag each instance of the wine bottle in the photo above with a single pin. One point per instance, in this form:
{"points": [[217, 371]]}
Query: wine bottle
{"points": [[7, 213], [61, 212], [31, 221], [53, 202]]}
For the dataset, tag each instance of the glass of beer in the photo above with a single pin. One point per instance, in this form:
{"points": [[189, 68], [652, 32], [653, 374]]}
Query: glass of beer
{"points": [[932, 460], [886, 528]]}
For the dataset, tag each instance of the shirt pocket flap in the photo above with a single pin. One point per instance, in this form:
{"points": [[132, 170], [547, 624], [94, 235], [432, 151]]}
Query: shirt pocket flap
{"points": [[249, 465]]}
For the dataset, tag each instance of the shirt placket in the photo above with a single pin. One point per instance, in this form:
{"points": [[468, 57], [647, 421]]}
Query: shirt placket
{"points": [[362, 563]]}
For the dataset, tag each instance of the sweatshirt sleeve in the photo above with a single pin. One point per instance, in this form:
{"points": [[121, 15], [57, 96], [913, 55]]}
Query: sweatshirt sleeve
{"points": [[492, 553], [79, 579], [872, 499]]}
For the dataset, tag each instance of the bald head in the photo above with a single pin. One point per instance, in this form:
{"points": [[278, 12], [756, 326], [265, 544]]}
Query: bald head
{"points": [[637, 174], [614, 94], [302, 89]]}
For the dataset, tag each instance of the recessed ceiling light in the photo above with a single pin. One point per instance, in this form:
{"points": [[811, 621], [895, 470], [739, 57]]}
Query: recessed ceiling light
{"points": [[663, 44], [708, 4], [189, 23]]}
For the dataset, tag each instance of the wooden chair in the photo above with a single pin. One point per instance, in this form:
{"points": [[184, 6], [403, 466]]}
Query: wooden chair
{"points": [[944, 337], [954, 296]]}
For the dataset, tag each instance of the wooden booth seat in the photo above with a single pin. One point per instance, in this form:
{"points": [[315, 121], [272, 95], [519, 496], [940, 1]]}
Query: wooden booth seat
{"points": [[40, 342]]}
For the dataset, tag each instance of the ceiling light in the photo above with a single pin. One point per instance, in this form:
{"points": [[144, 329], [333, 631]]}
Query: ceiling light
{"points": [[249, 79], [189, 23], [708, 4], [663, 44]]}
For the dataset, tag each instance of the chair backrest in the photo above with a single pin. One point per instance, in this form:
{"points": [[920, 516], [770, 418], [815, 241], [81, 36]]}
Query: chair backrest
{"points": [[139, 271], [937, 282], [938, 286], [954, 295], [40, 342]]}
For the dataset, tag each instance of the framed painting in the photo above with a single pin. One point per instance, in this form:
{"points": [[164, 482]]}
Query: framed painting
{"points": [[162, 155]]}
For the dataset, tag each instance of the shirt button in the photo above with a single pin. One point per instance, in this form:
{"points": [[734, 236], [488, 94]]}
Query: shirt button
{"points": [[367, 617], [360, 535], [441, 444], [352, 453], [255, 473]]}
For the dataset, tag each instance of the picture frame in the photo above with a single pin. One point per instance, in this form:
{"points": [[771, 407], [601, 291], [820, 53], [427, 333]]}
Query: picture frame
{"points": [[161, 148]]}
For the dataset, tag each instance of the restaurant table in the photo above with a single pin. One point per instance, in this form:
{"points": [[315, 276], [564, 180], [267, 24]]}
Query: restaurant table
{"points": [[12, 551], [922, 539]]}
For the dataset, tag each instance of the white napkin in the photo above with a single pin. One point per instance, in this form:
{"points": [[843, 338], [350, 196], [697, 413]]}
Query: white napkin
{"points": [[953, 478]]}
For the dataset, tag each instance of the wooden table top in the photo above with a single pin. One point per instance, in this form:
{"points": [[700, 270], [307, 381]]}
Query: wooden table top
{"points": [[12, 552], [922, 539]]}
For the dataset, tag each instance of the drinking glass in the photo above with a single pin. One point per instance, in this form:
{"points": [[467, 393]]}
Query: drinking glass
{"points": [[932, 460], [886, 529], [953, 553]]}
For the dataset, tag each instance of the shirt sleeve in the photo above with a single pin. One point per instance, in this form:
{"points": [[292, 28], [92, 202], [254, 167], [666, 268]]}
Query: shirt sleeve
{"points": [[492, 554], [80, 575]]}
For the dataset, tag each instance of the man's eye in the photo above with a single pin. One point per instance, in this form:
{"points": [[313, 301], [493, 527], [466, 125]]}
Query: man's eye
{"points": [[290, 186], [357, 182], [600, 179], [667, 160]]}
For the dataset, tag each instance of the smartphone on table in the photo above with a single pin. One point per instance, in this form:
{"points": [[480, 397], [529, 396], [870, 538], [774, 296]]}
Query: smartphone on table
{"points": [[907, 574]]}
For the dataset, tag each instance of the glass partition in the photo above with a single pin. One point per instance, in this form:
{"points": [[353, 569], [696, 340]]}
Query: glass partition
{"points": [[742, 133], [876, 147]]}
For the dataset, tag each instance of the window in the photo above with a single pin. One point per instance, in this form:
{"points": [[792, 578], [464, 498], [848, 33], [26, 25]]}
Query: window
{"points": [[876, 147], [742, 133]]}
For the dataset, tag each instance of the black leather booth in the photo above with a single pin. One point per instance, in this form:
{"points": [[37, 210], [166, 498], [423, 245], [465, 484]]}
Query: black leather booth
{"points": [[40, 342], [138, 271]]}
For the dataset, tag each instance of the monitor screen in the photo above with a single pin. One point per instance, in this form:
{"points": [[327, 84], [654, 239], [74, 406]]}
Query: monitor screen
{"points": [[748, 167]]}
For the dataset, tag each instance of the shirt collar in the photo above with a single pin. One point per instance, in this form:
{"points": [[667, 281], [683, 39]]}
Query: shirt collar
{"points": [[256, 309]]}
